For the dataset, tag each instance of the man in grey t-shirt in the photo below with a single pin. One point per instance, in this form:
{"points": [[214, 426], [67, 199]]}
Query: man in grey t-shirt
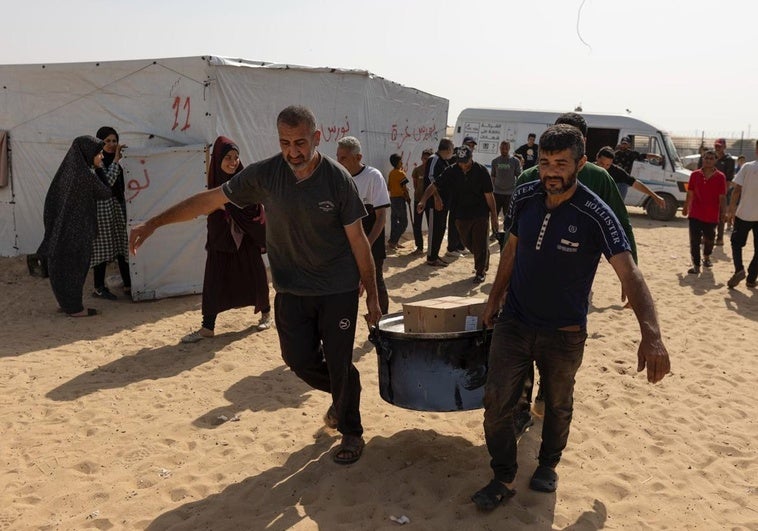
{"points": [[319, 255], [505, 171]]}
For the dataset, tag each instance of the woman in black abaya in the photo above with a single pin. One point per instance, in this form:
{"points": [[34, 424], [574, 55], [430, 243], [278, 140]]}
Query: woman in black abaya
{"points": [[71, 223]]}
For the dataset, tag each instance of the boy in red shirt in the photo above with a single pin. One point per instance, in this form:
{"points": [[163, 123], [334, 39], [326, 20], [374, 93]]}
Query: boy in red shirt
{"points": [[705, 205]]}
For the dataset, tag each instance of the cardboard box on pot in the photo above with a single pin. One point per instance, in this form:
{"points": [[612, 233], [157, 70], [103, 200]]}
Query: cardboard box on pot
{"points": [[444, 314]]}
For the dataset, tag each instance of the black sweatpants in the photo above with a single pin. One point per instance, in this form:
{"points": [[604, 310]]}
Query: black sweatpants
{"points": [[316, 335]]}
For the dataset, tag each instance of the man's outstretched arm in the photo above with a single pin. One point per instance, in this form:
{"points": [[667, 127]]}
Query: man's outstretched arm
{"points": [[190, 208]]}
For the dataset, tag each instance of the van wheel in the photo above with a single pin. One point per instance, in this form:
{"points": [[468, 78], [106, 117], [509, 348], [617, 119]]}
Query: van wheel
{"points": [[662, 214]]}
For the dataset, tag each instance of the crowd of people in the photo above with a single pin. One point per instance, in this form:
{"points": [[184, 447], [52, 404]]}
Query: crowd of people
{"points": [[321, 219]]}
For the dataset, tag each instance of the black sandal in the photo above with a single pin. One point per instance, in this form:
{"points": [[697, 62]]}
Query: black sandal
{"points": [[492, 495], [544, 479], [349, 450]]}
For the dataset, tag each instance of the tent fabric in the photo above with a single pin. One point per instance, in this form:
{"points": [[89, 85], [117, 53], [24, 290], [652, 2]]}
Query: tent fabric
{"points": [[170, 262], [4, 168], [161, 104]]}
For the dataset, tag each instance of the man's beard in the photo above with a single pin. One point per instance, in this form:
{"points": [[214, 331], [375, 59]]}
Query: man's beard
{"points": [[301, 165], [565, 185]]}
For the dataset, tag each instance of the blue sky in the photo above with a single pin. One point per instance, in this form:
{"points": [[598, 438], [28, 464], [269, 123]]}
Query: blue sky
{"points": [[683, 66]]}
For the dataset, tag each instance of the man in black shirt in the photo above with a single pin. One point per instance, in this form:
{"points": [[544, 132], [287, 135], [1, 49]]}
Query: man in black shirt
{"points": [[725, 164], [529, 151], [471, 185], [622, 178]]}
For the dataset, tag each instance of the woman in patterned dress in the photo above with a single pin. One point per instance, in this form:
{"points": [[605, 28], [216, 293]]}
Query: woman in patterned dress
{"points": [[111, 242]]}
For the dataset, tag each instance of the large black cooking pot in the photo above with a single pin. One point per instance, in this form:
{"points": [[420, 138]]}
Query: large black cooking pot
{"points": [[430, 372]]}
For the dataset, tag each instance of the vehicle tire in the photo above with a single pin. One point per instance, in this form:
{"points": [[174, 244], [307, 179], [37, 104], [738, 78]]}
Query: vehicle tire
{"points": [[662, 214]]}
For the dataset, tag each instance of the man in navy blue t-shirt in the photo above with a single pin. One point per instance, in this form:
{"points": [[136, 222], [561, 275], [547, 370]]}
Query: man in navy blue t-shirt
{"points": [[558, 230]]}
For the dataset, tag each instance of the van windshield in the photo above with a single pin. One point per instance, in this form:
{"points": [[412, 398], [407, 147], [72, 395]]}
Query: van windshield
{"points": [[671, 149]]}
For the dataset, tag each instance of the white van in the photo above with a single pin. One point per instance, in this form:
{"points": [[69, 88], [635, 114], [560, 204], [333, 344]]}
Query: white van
{"points": [[668, 178]]}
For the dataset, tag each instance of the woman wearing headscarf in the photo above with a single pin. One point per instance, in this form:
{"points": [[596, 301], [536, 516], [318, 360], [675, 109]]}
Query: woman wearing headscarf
{"points": [[111, 242], [235, 275], [71, 223]]}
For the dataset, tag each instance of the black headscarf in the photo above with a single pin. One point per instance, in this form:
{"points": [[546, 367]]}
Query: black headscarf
{"points": [[118, 186], [70, 209], [249, 219]]}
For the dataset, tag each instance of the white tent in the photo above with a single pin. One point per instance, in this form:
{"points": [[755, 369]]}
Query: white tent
{"points": [[168, 111]]}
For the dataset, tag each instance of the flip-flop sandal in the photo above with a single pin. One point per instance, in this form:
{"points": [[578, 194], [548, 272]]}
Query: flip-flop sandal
{"points": [[349, 450], [544, 479], [90, 313], [330, 418], [492, 495]]}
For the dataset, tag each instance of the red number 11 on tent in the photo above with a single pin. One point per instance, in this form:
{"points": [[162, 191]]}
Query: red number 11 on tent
{"points": [[176, 107]]}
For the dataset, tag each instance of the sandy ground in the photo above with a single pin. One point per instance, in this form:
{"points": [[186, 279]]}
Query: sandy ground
{"points": [[110, 423]]}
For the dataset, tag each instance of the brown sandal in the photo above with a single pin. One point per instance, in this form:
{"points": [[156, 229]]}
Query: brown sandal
{"points": [[349, 450]]}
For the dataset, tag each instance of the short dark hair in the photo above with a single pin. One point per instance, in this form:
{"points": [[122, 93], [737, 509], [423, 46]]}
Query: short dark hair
{"points": [[563, 136], [395, 159], [572, 118], [445, 143], [606, 152], [531, 135], [296, 115]]}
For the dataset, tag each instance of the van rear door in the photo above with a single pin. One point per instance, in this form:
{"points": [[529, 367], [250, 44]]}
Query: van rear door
{"points": [[598, 138]]}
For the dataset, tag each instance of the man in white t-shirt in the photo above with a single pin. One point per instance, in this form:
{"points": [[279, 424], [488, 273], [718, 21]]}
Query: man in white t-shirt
{"points": [[373, 191], [745, 218]]}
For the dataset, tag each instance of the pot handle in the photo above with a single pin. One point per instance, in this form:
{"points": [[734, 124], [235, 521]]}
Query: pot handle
{"points": [[373, 335], [481, 339], [382, 347]]}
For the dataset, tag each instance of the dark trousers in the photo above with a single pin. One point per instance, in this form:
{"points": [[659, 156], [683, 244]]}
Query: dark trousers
{"points": [[454, 242], [436, 232], [515, 346], [700, 230], [501, 203], [398, 218], [381, 286], [739, 238], [123, 268], [474, 235], [316, 336], [418, 235]]}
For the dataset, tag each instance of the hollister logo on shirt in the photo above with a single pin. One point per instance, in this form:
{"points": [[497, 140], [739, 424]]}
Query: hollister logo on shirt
{"points": [[326, 206], [568, 246]]}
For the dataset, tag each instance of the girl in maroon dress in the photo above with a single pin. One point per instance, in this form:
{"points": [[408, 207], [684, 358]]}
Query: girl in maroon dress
{"points": [[235, 275]]}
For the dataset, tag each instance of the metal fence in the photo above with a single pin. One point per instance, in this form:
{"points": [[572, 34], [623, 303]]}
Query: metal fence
{"points": [[690, 145]]}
